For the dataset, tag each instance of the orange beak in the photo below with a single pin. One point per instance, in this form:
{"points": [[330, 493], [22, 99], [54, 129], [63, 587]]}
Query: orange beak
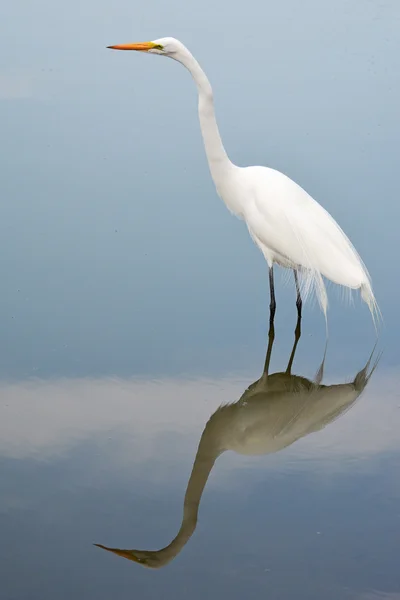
{"points": [[139, 47], [129, 554]]}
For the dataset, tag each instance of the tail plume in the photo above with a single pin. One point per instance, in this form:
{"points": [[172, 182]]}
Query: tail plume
{"points": [[368, 296]]}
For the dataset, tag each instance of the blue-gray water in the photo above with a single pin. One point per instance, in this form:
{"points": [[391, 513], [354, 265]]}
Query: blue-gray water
{"points": [[133, 305]]}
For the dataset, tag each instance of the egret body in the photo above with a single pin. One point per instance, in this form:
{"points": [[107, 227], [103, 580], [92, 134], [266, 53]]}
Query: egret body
{"points": [[286, 223]]}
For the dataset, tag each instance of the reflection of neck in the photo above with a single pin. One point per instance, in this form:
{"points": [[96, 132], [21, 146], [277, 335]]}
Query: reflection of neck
{"points": [[206, 456]]}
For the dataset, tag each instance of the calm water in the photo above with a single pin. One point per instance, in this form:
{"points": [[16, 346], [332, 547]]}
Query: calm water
{"points": [[133, 307], [304, 502]]}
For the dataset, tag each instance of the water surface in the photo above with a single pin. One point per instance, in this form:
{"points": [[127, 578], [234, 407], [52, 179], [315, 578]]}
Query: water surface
{"points": [[303, 503]]}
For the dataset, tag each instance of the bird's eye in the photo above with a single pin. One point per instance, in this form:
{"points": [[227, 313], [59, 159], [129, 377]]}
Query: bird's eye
{"points": [[158, 47]]}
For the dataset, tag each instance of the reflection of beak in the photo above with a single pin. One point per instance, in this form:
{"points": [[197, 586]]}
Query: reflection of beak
{"points": [[124, 553], [140, 46]]}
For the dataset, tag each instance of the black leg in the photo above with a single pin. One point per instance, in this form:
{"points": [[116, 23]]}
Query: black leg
{"points": [[271, 337], [271, 332], [297, 331], [297, 334], [272, 306], [299, 302]]}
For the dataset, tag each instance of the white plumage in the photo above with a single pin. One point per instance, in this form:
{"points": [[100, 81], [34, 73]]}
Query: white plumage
{"points": [[290, 228], [294, 231]]}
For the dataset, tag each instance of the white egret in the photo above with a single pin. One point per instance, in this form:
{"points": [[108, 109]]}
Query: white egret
{"points": [[274, 412], [290, 228]]}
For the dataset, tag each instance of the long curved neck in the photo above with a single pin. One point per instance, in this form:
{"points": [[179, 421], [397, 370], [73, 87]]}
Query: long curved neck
{"points": [[202, 466], [207, 453], [218, 160], [204, 462]]}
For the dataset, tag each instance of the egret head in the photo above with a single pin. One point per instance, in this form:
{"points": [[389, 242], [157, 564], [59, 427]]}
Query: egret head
{"points": [[164, 46]]}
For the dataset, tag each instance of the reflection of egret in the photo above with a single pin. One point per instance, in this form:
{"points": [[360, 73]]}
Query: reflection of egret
{"points": [[290, 228], [274, 412]]}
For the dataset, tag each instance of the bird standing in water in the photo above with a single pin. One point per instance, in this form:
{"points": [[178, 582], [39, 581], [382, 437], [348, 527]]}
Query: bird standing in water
{"points": [[290, 228]]}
